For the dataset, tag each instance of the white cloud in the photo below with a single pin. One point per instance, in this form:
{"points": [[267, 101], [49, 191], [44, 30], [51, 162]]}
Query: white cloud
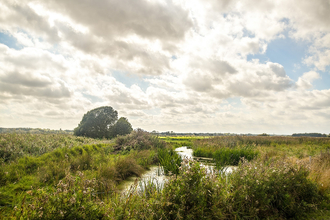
{"points": [[191, 57], [305, 81]]}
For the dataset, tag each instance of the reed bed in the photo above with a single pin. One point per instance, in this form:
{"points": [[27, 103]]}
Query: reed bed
{"points": [[80, 182]]}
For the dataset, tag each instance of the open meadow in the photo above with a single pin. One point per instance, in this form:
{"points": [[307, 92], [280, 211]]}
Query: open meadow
{"points": [[61, 176]]}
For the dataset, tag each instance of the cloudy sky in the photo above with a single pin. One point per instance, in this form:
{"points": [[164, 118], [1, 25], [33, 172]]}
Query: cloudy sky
{"points": [[184, 65]]}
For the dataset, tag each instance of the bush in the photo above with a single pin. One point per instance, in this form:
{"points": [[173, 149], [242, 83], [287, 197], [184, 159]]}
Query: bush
{"points": [[72, 198], [278, 189], [139, 140], [188, 195]]}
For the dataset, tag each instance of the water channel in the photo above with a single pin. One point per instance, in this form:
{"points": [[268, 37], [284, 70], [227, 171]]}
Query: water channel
{"points": [[156, 173]]}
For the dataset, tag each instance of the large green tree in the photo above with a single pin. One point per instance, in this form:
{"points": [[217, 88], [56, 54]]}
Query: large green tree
{"points": [[122, 127], [97, 123]]}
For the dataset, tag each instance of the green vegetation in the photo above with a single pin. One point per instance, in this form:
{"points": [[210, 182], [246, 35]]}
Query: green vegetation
{"points": [[170, 160], [122, 127], [274, 179], [102, 122], [14, 146], [34, 131], [227, 156]]}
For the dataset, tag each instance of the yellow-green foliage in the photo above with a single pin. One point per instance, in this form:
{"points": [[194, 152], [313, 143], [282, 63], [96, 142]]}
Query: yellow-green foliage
{"points": [[80, 182], [269, 146], [96, 160], [14, 146], [320, 170]]}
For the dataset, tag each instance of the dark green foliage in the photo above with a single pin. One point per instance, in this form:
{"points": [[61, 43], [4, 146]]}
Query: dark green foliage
{"points": [[122, 127], [309, 135], [170, 160], [227, 156], [97, 123]]}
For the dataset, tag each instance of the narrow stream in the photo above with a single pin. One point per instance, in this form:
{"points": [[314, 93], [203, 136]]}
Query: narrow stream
{"points": [[156, 173]]}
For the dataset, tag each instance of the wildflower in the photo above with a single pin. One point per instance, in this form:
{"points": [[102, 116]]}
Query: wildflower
{"points": [[72, 200]]}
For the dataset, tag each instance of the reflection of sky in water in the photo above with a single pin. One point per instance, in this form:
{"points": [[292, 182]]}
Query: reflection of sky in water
{"points": [[184, 152], [156, 174]]}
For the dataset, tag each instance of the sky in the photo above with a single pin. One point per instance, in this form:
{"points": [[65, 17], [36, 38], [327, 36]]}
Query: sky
{"points": [[229, 66]]}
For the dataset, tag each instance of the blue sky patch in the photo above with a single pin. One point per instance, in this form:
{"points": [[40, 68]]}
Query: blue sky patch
{"points": [[129, 79], [287, 52], [9, 41]]}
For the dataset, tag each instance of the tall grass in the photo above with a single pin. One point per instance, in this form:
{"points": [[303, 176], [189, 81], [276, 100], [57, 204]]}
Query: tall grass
{"points": [[320, 170], [14, 146], [227, 156], [170, 160], [81, 182], [74, 197], [268, 146], [98, 161], [277, 190]]}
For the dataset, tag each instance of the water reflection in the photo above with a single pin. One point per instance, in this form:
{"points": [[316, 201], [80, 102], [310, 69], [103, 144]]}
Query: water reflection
{"points": [[157, 177]]}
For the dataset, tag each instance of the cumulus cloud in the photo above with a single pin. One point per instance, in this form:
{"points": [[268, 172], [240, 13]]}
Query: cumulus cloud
{"points": [[305, 81], [191, 57]]}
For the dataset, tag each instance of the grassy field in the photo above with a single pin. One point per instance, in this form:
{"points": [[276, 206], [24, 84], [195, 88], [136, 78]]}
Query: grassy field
{"points": [[57, 176]]}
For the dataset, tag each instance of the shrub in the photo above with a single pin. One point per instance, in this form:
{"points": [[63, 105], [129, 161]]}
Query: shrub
{"points": [[139, 140], [277, 189], [72, 198], [127, 166], [188, 195]]}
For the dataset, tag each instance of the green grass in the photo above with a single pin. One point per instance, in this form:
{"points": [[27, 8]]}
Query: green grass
{"points": [[14, 146], [170, 161], [274, 181]]}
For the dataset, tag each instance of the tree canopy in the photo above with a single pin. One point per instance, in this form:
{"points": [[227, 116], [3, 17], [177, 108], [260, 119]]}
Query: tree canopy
{"points": [[122, 127], [97, 123]]}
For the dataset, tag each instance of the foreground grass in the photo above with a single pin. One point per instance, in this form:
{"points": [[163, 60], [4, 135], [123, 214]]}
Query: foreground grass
{"points": [[80, 182], [278, 190]]}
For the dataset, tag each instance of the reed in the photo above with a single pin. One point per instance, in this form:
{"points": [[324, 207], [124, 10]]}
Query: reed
{"points": [[170, 160]]}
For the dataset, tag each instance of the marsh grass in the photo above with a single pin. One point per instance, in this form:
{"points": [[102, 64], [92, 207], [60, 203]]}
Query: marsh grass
{"points": [[169, 160], [278, 189], [320, 170], [226, 156], [81, 182], [279, 146], [14, 146], [74, 197], [95, 161]]}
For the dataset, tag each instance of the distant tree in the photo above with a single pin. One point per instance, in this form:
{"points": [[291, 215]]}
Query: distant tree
{"points": [[263, 134], [309, 135], [97, 123], [122, 127]]}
